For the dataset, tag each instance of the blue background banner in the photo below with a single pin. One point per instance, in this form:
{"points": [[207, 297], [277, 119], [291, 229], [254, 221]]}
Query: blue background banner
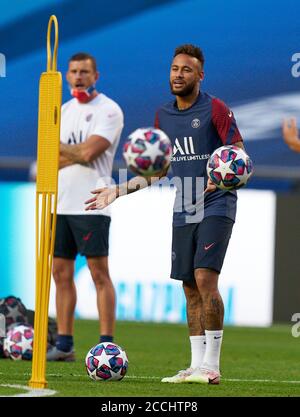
{"points": [[248, 48]]}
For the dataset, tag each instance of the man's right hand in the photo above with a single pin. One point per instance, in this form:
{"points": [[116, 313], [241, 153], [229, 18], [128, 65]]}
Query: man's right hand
{"points": [[103, 198], [210, 187]]}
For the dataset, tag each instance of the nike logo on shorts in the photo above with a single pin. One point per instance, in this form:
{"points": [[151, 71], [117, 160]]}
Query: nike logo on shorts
{"points": [[86, 238], [206, 247]]}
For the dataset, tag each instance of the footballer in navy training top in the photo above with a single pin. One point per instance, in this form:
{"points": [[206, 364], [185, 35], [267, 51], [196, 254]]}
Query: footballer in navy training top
{"points": [[197, 123]]}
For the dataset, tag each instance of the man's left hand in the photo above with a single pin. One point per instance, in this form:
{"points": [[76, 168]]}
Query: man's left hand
{"points": [[290, 134]]}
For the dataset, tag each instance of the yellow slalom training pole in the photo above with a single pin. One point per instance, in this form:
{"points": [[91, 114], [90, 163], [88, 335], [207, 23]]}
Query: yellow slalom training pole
{"points": [[50, 96]]}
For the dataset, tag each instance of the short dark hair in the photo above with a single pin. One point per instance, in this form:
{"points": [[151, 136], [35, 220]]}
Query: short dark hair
{"points": [[82, 56], [190, 50]]}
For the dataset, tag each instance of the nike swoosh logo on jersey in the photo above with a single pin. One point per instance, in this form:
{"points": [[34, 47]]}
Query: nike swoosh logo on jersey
{"points": [[206, 247]]}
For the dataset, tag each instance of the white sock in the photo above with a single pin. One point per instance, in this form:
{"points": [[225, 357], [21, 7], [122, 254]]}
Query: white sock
{"points": [[198, 345], [211, 358]]}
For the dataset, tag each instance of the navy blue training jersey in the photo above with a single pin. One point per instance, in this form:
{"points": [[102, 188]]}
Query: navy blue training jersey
{"points": [[195, 133]]}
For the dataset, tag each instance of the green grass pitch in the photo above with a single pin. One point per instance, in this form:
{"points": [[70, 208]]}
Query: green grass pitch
{"points": [[256, 362]]}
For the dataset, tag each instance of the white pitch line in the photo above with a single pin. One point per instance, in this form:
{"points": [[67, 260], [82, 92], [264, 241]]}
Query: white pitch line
{"points": [[32, 392], [261, 380], [223, 379], [158, 378]]}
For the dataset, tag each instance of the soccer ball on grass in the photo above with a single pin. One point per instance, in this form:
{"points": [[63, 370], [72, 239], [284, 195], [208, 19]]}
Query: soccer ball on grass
{"points": [[18, 343], [106, 362]]}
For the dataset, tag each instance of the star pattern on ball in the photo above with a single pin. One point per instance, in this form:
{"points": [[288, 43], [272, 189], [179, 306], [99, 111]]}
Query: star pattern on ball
{"points": [[26, 344], [224, 168], [243, 179], [106, 362], [130, 156], [18, 343], [152, 150], [104, 358], [11, 310]]}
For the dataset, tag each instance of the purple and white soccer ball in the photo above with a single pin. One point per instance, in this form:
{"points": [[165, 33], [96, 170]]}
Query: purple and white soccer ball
{"points": [[106, 362], [147, 151], [229, 167], [18, 343]]}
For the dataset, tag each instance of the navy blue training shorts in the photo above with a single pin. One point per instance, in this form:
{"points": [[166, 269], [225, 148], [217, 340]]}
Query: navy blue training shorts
{"points": [[200, 245], [84, 234]]}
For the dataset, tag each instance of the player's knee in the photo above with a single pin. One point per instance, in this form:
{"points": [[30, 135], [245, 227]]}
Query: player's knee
{"points": [[189, 287], [206, 279], [62, 275], [101, 278]]}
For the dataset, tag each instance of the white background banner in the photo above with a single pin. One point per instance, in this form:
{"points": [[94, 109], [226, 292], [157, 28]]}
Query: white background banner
{"points": [[140, 257], [140, 261]]}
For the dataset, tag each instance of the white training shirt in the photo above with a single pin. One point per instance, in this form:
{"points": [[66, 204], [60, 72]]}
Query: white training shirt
{"points": [[102, 117]]}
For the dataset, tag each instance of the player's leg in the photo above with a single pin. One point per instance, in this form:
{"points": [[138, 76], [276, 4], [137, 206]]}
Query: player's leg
{"points": [[65, 297], [195, 320], [92, 237], [212, 303], [212, 240], [105, 296], [183, 269], [63, 274], [213, 314]]}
